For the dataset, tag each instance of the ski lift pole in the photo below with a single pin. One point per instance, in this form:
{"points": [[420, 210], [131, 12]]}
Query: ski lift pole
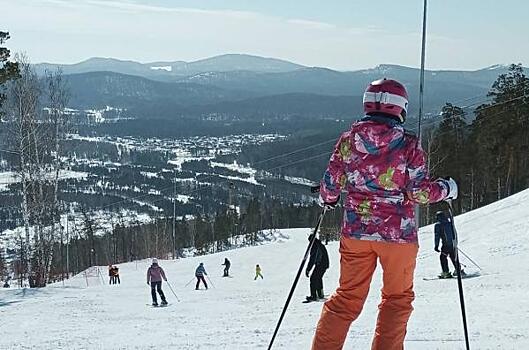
{"points": [[421, 94], [459, 279], [293, 288]]}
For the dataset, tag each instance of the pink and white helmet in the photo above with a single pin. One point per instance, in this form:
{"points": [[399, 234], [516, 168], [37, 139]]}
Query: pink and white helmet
{"points": [[386, 96]]}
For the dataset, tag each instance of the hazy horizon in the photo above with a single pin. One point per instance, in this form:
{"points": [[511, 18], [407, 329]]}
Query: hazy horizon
{"points": [[347, 35]]}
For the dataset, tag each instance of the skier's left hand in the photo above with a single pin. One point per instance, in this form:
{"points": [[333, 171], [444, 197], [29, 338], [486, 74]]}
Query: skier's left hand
{"points": [[452, 188]]}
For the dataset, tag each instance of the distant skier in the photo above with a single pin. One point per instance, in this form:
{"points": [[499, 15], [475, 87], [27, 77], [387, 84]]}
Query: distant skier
{"points": [[382, 168], [110, 274], [200, 272], [154, 278], [319, 259], [445, 234], [258, 272], [226, 265], [115, 270]]}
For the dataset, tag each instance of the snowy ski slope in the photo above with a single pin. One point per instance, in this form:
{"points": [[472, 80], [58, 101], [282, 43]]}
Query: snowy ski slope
{"points": [[240, 313]]}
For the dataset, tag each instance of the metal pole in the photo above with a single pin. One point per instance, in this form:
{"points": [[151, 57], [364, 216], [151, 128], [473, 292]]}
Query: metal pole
{"points": [[67, 247], [423, 58], [174, 217], [421, 95]]}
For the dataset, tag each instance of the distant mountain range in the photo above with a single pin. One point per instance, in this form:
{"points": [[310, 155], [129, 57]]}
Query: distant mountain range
{"points": [[245, 86], [175, 69]]}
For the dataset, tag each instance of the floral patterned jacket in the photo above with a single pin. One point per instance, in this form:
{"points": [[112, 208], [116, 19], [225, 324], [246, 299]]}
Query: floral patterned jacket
{"points": [[382, 168]]}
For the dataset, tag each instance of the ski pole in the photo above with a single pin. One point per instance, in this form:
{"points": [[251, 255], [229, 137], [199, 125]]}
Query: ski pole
{"points": [[191, 280], [209, 279], [307, 251], [171, 288], [468, 257], [459, 279]]}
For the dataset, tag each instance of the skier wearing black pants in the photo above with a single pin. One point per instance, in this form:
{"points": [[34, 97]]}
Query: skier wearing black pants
{"points": [[445, 234], [155, 274], [200, 272], [319, 259]]}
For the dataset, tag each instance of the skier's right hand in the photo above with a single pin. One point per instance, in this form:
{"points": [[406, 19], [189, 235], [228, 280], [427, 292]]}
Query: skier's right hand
{"points": [[326, 205], [452, 188], [148, 284]]}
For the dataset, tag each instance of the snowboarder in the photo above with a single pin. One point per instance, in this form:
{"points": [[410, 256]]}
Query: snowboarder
{"points": [[445, 234], [382, 168], [226, 265], [154, 278], [258, 272], [319, 259], [200, 272], [115, 271]]}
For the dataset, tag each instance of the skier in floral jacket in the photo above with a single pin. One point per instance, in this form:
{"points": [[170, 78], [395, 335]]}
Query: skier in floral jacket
{"points": [[382, 168]]}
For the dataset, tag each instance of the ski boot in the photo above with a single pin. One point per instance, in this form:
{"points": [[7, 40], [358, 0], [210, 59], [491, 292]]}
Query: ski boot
{"points": [[320, 294], [154, 303], [164, 302], [310, 299], [445, 275]]}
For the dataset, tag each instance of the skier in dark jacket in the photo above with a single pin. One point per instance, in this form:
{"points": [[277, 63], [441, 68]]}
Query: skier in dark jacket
{"points": [[445, 234], [226, 265], [319, 259], [155, 274], [200, 272]]}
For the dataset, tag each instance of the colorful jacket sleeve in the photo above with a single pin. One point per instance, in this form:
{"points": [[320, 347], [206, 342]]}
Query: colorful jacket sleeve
{"points": [[334, 177], [419, 187], [163, 274]]}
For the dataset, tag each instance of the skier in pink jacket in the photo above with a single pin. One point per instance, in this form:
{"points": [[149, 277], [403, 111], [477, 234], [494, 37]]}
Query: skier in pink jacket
{"points": [[154, 278], [382, 168]]}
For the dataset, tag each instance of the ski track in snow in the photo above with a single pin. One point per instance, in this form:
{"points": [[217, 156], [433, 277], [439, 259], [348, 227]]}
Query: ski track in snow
{"points": [[240, 313]]}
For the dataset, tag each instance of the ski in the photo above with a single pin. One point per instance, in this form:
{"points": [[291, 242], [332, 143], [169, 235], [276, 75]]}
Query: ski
{"points": [[465, 276], [157, 306], [321, 300]]}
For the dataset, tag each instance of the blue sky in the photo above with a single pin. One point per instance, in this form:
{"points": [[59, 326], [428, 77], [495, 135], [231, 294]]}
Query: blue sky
{"points": [[339, 34]]}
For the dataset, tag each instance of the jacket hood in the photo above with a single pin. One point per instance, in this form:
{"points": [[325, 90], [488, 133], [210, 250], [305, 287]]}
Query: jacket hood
{"points": [[376, 134]]}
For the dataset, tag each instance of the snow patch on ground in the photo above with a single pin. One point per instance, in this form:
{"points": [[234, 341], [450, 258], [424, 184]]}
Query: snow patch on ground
{"points": [[165, 68], [300, 181], [241, 313]]}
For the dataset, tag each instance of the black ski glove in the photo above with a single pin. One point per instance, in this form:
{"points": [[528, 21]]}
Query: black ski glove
{"points": [[307, 273]]}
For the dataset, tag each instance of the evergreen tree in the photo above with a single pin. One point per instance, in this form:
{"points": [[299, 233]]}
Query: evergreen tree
{"points": [[501, 136], [8, 70]]}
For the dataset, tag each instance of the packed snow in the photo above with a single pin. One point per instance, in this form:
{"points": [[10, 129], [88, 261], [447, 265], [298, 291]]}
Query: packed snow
{"points": [[240, 313]]}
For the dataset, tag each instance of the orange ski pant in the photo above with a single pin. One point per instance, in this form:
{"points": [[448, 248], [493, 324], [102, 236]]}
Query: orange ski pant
{"points": [[357, 265]]}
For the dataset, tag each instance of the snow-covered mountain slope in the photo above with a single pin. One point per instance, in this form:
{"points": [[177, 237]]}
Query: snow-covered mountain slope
{"points": [[240, 313]]}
